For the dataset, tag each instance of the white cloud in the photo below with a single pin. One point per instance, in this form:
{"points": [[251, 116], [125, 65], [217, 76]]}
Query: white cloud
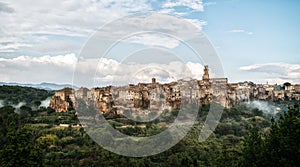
{"points": [[59, 69], [250, 33], [11, 47], [62, 60], [167, 11], [112, 72], [5, 8], [275, 72], [27, 23], [9, 39], [70, 18], [154, 40], [58, 27], [241, 31], [196, 5], [27, 69], [209, 3], [196, 69], [48, 46], [151, 30], [198, 23]]}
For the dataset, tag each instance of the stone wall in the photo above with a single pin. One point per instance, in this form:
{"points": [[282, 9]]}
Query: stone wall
{"points": [[157, 97]]}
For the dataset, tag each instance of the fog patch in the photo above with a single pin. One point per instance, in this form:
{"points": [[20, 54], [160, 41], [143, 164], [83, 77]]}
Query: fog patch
{"points": [[264, 106], [1, 103], [46, 102], [18, 106]]}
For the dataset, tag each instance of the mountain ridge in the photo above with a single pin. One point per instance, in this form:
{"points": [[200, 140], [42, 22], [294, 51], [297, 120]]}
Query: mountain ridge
{"points": [[43, 85]]}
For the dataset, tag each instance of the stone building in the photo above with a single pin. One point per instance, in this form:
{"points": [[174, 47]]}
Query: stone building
{"points": [[63, 100], [156, 97]]}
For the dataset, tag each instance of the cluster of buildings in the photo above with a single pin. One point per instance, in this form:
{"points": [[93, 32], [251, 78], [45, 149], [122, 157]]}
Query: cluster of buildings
{"points": [[154, 96]]}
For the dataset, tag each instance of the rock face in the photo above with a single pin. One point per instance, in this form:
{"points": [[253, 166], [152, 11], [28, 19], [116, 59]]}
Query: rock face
{"points": [[158, 97], [62, 100], [144, 97]]}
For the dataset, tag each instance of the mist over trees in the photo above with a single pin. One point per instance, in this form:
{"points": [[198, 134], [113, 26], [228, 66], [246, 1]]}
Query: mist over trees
{"points": [[12, 95], [280, 147]]}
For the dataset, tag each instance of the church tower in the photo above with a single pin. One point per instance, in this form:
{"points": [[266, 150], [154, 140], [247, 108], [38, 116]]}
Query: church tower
{"points": [[205, 76], [153, 81]]}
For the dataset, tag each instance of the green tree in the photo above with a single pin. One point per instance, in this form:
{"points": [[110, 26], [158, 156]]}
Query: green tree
{"points": [[36, 104], [282, 145], [47, 140], [20, 149], [280, 148], [50, 110], [253, 147], [8, 118], [25, 111]]}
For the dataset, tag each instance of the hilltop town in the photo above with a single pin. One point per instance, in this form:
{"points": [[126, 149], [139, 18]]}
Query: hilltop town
{"points": [[154, 96]]}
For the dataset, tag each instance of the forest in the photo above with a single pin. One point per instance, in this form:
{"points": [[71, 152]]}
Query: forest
{"points": [[32, 135]]}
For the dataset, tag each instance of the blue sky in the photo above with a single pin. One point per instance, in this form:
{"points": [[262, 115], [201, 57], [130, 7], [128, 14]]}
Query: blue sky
{"points": [[269, 33], [255, 40]]}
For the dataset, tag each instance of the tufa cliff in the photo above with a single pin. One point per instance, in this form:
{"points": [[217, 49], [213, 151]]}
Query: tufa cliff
{"points": [[158, 97]]}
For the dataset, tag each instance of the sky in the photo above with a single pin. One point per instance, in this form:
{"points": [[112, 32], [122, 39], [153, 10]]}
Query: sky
{"points": [[255, 40]]}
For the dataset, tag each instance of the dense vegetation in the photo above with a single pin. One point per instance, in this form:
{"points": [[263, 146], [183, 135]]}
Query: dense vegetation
{"points": [[280, 147], [244, 137], [16, 94]]}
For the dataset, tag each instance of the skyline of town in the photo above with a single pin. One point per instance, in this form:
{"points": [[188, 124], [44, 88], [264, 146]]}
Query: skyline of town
{"points": [[158, 97]]}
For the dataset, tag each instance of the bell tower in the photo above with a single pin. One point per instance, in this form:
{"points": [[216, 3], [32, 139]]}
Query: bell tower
{"points": [[153, 81], [205, 76]]}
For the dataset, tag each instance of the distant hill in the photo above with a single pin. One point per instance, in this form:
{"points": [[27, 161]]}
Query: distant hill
{"points": [[13, 95], [44, 85]]}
